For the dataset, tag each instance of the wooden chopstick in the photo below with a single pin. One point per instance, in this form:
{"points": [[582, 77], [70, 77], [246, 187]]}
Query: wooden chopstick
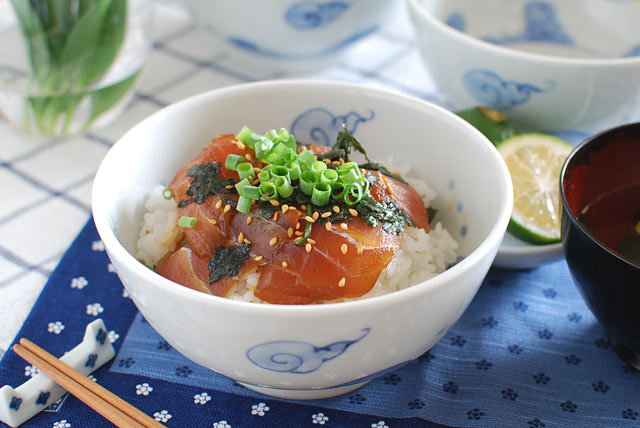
{"points": [[103, 401]]}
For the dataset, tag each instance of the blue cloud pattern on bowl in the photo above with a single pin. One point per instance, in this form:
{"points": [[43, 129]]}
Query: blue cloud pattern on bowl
{"points": [[456, 20], [634, 51], [320, 126], [541, 25], [292, 356], [307, 15], [491, 90]]}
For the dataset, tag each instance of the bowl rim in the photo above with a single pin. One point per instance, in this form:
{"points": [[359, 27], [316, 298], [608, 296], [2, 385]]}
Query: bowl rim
{"points": [[116, 250], [565, 205], [418, 9]]}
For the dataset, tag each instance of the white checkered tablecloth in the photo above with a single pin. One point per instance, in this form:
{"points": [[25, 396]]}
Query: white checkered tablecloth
{"points": [[45, 184]]}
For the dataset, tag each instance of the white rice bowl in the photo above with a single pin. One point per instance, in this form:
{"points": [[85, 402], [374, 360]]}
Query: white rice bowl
{"points": [[421, 255], [474, 200]]}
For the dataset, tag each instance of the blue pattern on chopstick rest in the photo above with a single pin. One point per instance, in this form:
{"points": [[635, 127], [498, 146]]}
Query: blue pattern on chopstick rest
{"points": [[527, 351], [32, 396]]}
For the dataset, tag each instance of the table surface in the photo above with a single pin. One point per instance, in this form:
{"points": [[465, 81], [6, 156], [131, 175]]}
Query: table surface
{"points": [[48, 181]]}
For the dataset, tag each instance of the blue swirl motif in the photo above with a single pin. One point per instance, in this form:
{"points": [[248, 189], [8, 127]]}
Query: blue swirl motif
{"points": [[634, 51], [456, 20], [491, 90], [291, 356], [541, 25], [308, 15], [320, 126]]}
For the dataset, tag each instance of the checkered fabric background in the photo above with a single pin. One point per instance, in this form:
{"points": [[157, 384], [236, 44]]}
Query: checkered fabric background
{"points": [[45, 184]]}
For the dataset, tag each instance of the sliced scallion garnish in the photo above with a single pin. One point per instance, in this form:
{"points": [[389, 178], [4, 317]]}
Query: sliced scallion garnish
{"points": [[244, 205], [321, 194], [187, 222], [167, 193]]}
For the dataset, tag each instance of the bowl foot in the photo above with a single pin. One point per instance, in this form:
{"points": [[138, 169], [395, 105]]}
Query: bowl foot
{"points": [[304, 394], [627, 355]]}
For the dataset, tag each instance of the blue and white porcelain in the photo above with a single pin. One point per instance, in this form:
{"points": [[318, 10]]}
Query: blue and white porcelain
{"points": [[20, 404], [550, 65], [291, 34], [311, 351]]}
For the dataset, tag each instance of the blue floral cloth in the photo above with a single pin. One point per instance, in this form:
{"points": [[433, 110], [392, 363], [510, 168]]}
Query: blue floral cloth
{"points": [[527, 353]]}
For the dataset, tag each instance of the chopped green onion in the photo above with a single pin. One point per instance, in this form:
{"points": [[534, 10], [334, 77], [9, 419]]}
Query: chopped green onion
{"points": [[268, 191], [353, 193], [244, 134], [337, 191], [242, 184], [187, 222], [280, 171], [365, 183], [263, 147], [271, 134], [264, 176], [307, 182], [233, 161], [244, 205], [253, 140], [329, 176], [167, 193], [307, 230], [306, 158], [245, 170], [251, 192], [318, 167], [283, 134], [350, 176], [294, 170], [345, 167], [282, 151], [321, 194], [283, 186]]}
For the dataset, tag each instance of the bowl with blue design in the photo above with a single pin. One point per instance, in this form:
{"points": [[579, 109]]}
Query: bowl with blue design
{"points": [[550, 65], [316, 350], [290, 35]]}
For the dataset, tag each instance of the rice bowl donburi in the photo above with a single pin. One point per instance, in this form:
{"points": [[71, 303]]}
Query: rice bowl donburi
{"points": [[469, 187]]}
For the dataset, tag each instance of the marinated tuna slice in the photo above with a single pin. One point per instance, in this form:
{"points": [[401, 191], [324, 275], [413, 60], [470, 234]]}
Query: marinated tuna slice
{"points": [[304, 252]]}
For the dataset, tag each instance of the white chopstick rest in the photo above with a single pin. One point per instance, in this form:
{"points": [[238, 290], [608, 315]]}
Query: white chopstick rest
{"points": [[20, 404]]}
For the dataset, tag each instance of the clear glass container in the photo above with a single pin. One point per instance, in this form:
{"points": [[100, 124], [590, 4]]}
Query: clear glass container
{"points": [[67, 66]]}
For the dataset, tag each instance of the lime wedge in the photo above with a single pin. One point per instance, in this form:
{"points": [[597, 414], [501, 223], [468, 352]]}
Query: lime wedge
{"points": [[534, 161]]}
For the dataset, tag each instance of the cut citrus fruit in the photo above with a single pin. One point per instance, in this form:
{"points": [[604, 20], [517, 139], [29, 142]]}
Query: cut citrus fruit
{"points": [[534, 161]]}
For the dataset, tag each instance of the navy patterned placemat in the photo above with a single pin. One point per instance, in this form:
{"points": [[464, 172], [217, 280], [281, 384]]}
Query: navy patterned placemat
{"points": [[527, 353]]}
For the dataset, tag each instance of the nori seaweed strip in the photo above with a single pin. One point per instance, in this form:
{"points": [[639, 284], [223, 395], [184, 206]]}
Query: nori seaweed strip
{"points": [[206, 181], [225, 262]]}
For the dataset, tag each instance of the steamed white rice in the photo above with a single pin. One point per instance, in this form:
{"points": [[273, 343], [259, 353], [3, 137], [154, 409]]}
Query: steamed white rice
{"points": [[421, 255]]}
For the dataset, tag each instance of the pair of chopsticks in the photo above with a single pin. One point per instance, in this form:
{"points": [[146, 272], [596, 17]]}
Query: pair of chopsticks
{"points": [[109, 405]]}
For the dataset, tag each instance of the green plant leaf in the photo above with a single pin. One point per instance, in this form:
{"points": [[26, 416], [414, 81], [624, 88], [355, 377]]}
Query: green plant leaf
{"points": [[34, 37], [57, 24], [107, 46], [108, 97], [82, 41]]}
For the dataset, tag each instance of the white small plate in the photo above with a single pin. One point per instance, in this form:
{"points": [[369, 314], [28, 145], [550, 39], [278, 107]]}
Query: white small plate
{"points": [[516, 254]]}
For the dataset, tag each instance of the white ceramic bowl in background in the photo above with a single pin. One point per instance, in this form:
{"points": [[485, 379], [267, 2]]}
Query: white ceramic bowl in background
{"points": [[549, 65], [334, 348], [291, 35]]}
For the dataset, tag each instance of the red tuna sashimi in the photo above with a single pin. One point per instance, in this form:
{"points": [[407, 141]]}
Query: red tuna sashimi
{"points": [[338, 261]]}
